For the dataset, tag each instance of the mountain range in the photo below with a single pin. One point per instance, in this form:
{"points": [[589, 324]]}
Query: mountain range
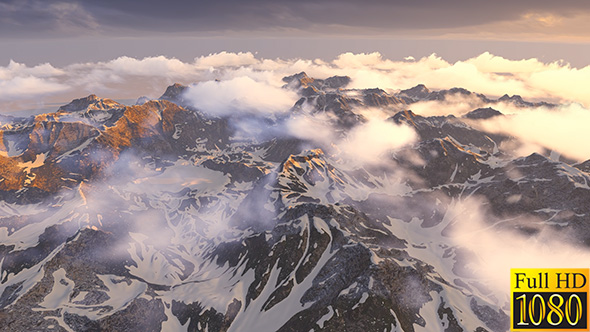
{"points": [[160, 216]]}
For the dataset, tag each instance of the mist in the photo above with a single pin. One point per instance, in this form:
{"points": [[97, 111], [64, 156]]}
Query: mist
{"points": [[496, 246]]}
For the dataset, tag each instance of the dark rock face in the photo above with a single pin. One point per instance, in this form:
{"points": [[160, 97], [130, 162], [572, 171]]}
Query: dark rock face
{"points": [[174, 93], [418, 92], [518, 101], [482, 113], [584, 166], [303, 82], [421, 93], [156, 217], [449, 127], [378, 97]]}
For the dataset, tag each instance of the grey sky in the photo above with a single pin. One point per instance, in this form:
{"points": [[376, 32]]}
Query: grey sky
{"points": [[61, 32], [34, 18]]}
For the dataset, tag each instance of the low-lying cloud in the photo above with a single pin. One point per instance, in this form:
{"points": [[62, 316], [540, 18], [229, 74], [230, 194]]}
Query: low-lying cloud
{"points": [[561, 129], [368, 143], [239, 95], [127, 77], [365, 144], [496, 249]]}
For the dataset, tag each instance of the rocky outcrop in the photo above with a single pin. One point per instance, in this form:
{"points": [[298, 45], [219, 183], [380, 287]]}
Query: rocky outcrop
{"points": [[482, 113], [61, 153]]}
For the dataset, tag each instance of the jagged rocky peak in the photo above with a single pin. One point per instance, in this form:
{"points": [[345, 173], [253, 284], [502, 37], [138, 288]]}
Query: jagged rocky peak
{"points": [[443, 94], [298, 80], [142, 100], [303, 81], [449, 126], [92, 110], [420, 122], [520, 102], [403, 117], [584, 166], [305, 157], [461, 91], [66, 148], [337, 82], [90, 103], [534, 159], [516, 98], [482, 113], [174, 92], [378, 97], [420, 91]]}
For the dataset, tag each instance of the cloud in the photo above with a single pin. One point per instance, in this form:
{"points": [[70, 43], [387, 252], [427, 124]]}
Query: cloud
{"points": [[368, 143], [239, 95], [15, 69], [307, 127], [152, 66], [20, 88], [486, 73], [127, 77], [563, 129], [130, 72], [496, 249], [453, 104], [225, 59]]}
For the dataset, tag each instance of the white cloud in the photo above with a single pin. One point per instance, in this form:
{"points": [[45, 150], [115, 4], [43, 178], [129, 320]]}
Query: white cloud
{"points": [[239, 95], [349, 60], [225, 59], [20, 88], [497, 249], [564, 129], [128, 78], [15, 69], [369, 143], [159, 66], [308, 127], [20, 82], [453, 104]]}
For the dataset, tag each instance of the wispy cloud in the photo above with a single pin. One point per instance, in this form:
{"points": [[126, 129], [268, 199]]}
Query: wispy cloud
{"points": [[32, 17]]}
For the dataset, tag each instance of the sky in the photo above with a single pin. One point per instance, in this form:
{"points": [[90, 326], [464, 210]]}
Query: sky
{"points": [[54, 51], [65, 32]]}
